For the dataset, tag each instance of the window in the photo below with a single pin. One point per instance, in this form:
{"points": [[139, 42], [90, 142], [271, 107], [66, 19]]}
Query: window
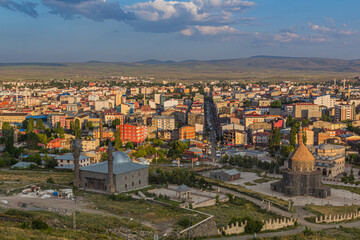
{"points": [[132, 183], [139, 181], [125, 185]]}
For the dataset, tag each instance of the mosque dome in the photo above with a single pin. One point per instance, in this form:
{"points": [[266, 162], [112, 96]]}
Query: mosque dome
{"points": [[121, 157]]}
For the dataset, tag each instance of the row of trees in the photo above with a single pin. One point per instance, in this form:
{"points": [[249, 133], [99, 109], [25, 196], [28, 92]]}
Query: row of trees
{"points": [[178, 176], [252, 162]]}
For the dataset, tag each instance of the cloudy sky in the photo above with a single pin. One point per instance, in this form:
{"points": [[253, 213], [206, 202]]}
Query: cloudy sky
{"points": [[110, 30]]}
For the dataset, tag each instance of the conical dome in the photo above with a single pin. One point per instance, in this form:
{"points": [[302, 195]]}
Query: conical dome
{"points": [[301, 160]]}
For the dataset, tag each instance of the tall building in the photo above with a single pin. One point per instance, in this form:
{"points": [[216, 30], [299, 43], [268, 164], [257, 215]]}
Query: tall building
{"points": [[186, 133], [132, 133], [164, 122], [344, 112]]}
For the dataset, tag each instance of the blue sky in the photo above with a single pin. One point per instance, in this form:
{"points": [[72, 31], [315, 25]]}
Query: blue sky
{"points": [[109, 30]]}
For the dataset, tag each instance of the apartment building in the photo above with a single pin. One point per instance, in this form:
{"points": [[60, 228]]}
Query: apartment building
{"points": [[344, 112]]}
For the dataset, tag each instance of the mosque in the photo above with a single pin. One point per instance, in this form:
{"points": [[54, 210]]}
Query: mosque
{"points": [[117, 174]]}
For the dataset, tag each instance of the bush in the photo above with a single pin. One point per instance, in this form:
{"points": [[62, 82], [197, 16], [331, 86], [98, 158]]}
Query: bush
{"points": [[50, 180], [15, 212], [39, 224], [120, 197], [307, 232], [184, 222]]}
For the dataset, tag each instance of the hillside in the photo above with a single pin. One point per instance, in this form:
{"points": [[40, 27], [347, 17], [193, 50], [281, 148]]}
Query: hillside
{"points": [[253, 68]]}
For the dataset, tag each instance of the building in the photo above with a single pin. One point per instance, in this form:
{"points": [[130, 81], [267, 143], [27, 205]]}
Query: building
{"points": [[186, 133], [325, 100], [261, 138], [13, 118], [58, 143], [234, 137], [329, 159], [90, 145], [111, 115], [301, 178], [225, 175], [164, 122], [344, 112], [117, 174], [68, 158], [306, 110], [132, 133]]}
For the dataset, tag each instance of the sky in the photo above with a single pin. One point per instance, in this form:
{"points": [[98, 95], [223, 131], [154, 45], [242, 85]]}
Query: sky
{"points": [[135, 30]]}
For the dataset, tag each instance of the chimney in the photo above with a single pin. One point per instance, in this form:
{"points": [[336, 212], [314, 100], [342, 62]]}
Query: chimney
{"points": [[110, 186], [76, 154]]}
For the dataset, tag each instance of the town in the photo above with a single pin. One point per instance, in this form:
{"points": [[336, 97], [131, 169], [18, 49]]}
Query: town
{"points": [[140, 158]]}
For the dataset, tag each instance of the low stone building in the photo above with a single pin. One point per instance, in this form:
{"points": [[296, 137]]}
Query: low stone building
{"points": [[125, 174], [225, 174], [329, 159]]}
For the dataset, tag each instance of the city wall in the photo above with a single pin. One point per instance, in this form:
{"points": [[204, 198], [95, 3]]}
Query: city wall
{"points": [[337, 218]]}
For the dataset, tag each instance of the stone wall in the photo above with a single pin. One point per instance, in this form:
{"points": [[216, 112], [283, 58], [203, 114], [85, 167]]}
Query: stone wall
{"points": [[272, 224], [337, 218], [204, 228]]}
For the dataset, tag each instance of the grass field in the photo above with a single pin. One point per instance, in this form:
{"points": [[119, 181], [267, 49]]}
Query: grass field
{"points": [[334, 210], [61, 178], [328, 234], [225, 211], [89, 226], [185, 71], [156, 214]]}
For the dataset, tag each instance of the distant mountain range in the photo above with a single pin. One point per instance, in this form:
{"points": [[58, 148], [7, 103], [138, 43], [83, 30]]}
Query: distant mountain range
{"points": [[275, 62], [272, 68]]}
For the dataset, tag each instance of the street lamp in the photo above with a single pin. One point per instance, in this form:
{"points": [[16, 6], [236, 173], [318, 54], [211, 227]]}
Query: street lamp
{"points": [[141, 223]]}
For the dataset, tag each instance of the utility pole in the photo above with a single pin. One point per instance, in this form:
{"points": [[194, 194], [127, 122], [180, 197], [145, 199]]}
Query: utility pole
{"points": [[74, 215]]}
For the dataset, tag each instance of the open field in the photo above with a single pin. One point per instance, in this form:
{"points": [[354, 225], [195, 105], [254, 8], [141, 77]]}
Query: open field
{"points": [[241, 208], [245, 69], [89, 226], [341, 233], [333, 210], [158, 215], [61, 178]]}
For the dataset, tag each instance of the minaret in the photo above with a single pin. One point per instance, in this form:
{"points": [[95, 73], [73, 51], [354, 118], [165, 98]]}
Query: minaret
{"points": [[349, 91], [76, 154], [101, 128], [110, 186]]}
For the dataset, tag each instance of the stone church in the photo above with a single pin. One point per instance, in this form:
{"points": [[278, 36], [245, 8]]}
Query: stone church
{"points": [[117, 174], [301, 178]]}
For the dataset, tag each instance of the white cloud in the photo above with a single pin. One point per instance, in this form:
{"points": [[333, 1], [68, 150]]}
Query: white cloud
{"points": [[221, 30]]}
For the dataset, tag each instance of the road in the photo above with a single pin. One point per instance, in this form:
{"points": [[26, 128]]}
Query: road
{"points": [[212, 122]]}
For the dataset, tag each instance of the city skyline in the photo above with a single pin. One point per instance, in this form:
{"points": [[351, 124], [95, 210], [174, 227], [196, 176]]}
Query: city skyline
{"points": [[129, 31]]}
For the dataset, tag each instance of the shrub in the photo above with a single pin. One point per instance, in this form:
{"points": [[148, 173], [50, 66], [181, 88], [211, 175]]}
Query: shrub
{"points": [[307, 232], [50, 180], [120, 197], [15, 212], [184, 222], [39, 224]]}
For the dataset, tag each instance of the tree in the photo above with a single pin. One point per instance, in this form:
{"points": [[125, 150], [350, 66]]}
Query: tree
{"points": [[77, 128], [129, 145], [118, 143], [30, 125], [276, 104], [40, 125], [115, 122], [50, 162], [326, 118], [32, 140], [286, 150], [89, 125], [157, 142], [5, 127], [304, 136], [59, 130], [293, 132], [43, 138], [247, 103]]}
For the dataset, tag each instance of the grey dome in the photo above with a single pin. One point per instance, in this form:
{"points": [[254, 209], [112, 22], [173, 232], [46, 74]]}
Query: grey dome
{"points": [[120, 157]]}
